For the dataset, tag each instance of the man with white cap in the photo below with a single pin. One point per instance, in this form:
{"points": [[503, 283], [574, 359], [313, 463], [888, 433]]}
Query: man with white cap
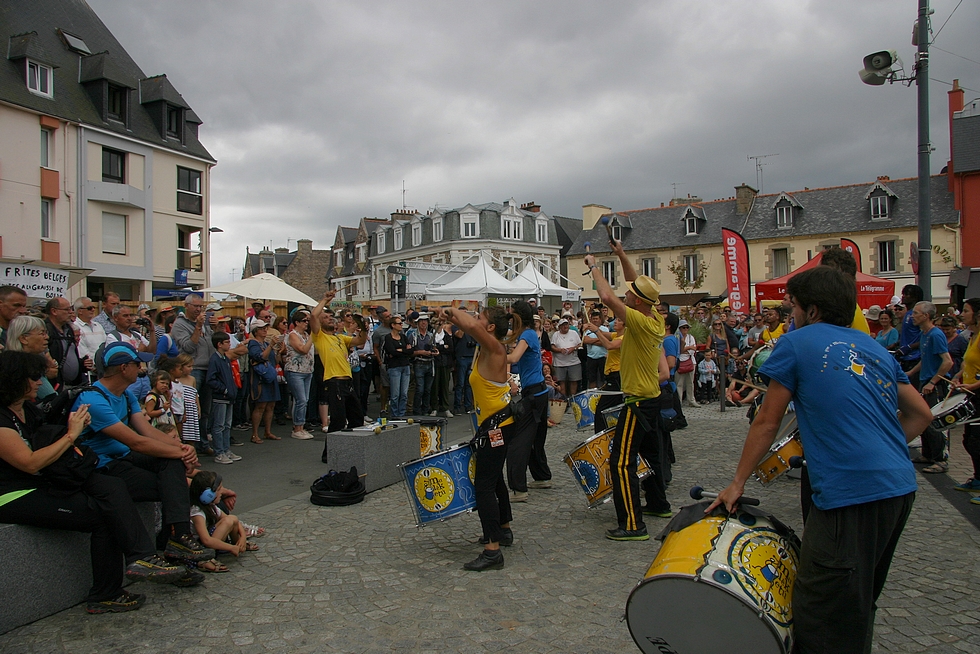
{"points": [[567, 367], [638, 429], [425, 351]]}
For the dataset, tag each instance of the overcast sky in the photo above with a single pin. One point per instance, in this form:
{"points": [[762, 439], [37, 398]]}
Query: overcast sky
{"points": [[317, 111]]}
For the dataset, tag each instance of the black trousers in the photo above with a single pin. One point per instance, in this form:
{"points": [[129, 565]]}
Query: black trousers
{"points": [[933, 440], [638, 432], [527, 448], [971, 443], [103, 509], [344, 407], [492, 498], [843, 566], [150, 479]]}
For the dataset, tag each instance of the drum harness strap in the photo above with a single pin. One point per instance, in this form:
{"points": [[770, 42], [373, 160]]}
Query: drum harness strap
{"points": [[493, 422]]}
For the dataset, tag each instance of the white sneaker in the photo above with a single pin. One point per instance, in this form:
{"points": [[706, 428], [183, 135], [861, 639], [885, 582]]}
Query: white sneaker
{"points": [[324, 429], [234, 457], [301, 435], [448, 414], [223, 458], [432, 415], [368, 420]]}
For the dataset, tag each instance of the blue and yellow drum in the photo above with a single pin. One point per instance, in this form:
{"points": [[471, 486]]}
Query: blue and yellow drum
{"points": [[440, 486], [719, 584]]}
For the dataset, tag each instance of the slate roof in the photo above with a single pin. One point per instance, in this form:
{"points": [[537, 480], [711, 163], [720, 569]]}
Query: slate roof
{"points": [[40, 21], [568, 229], [260, 262], [966, 140], [835, 210]]}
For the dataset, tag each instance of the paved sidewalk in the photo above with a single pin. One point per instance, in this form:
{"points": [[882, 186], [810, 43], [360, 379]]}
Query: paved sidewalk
{"points": [[364, 579]]}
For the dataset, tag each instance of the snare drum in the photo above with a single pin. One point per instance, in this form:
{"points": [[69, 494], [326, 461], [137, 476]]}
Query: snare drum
{"points": [[736, 571], [584, 405], [611, 415], [589, 463], [954, 410], [786, 446], [440, 486]]}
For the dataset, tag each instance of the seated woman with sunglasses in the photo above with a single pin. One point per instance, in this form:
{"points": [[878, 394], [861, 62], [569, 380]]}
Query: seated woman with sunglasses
{"points": [[103, 505]]}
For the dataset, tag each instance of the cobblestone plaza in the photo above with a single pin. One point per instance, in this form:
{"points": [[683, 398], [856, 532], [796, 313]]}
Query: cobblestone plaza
{"points": [[364, 579]]}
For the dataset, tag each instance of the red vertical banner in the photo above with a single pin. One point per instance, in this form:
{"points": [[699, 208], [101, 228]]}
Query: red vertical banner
{"points": [[852, 247], [737, 269]]}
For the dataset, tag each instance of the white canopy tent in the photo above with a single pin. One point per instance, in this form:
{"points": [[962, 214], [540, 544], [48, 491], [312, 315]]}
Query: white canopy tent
{"points": [[263, 286], [478, 283], [544, 285]]}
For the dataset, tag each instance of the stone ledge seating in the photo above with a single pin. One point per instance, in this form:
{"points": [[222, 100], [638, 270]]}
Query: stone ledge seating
{"points": [[47, 570]]}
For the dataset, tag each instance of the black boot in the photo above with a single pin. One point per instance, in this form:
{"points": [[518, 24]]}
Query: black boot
{"points": [[488, 560]]}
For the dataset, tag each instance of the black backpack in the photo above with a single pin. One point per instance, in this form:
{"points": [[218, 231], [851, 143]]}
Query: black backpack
{"points": [[338, 489]]}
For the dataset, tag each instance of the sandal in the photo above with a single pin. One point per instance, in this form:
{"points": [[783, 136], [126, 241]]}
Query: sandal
{"points": [[252, 531], [271, 437], [921, 459], [256, 440], [251, 547], [937, 468], [213, 565]]}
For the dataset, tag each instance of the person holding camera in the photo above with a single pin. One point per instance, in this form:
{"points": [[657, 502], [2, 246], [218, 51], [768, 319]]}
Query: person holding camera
{"points": [[125, 332]]}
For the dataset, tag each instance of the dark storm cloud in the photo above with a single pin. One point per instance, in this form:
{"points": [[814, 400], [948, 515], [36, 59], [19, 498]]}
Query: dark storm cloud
{"points": [[316, 111]]}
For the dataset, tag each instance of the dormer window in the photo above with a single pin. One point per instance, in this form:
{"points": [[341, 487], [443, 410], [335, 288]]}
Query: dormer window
{"points": [[511, 227], [784, 216], [437, 229], [381, 242], [416, 234], [116, 103], [879, 207], [470, 227], [398, 238], [339, 258], [690, 226], [39, 79], [173, 121], [541, 231], [617, 232]]}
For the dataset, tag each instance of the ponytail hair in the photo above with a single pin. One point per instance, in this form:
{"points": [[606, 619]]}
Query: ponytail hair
{"points": [[502, 323]]}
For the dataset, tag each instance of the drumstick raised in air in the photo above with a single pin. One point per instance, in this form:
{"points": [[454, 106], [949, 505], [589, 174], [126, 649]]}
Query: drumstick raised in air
{"points": [[699, 493], [588, 250]]}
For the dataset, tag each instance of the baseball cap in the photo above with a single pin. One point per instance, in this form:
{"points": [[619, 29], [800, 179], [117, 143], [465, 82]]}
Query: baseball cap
{"points": [[118, 353], [258, 324], [563, 321], [683, 323]]}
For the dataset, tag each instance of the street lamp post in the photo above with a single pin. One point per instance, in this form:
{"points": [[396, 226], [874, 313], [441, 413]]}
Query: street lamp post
{"points": [[885, 66]]}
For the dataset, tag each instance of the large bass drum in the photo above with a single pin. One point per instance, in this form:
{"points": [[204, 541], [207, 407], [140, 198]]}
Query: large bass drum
{"points": [[718, 584]]}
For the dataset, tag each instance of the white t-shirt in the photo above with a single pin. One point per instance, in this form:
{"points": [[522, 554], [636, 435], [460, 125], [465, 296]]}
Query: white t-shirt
{"points": [[572, 340]]}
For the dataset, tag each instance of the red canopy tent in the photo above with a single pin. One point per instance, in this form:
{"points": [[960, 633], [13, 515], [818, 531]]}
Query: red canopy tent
{"points": [[870, 289]]}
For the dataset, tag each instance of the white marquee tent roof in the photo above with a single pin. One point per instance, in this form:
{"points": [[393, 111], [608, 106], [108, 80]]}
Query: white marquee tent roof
{"points": [[544, 285], [479, 282]]}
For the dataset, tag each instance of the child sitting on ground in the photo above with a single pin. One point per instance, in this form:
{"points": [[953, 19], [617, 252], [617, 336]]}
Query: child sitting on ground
{"points": [[216, 529]]}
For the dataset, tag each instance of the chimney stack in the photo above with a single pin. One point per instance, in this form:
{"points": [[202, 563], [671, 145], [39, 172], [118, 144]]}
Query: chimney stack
{"points": [[744, 195]]}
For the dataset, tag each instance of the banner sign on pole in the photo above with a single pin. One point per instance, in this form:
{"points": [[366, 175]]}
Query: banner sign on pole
{"points": [[36, 281], [737, 269]]}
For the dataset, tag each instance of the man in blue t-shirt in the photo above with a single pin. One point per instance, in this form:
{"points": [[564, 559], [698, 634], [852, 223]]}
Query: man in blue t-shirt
{"points": [[856, 412], [934, 362], [908, 338], [150, 462]]}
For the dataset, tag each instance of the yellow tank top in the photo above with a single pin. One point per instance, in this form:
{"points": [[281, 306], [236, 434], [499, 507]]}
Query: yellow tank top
{"points": [[971, 361], [488, 396], [612, 357]]}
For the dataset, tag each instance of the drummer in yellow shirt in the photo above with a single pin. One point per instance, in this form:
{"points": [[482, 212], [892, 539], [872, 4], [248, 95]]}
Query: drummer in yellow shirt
{"points": [[638, 429], [968, 379]]}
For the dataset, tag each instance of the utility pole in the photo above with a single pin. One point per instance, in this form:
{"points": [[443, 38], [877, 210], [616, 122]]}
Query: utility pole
{"points": [[924, 277]]}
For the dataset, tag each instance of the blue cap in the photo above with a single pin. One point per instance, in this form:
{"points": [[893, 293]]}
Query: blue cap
{"points": [[118, 353]]}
